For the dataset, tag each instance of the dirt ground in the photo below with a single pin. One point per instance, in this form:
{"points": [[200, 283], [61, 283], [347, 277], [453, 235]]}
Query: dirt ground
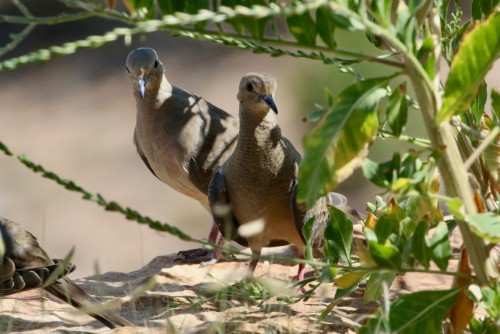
{"points": [[188, 298]]}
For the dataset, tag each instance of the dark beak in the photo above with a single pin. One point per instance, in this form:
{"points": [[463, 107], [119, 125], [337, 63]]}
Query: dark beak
{"points": [[142, 86], [270, 102]]}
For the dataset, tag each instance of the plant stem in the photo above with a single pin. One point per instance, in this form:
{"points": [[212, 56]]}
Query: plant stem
{"points": [[428, 96]]}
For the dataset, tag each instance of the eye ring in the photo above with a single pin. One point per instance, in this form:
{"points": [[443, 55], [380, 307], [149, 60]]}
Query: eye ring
{"points": [[156, 63], [249, 87]]}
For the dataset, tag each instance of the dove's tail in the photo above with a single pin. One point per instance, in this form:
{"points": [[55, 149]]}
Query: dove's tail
{"points": [[66, 290]]}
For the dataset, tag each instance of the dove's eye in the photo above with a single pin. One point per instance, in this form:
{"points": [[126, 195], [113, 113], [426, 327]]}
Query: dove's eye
{"points": [[249, 87], [156, 63]]}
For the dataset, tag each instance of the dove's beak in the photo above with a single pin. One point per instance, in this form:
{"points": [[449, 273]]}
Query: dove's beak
{"points": [[270, 102], [142, 86]]}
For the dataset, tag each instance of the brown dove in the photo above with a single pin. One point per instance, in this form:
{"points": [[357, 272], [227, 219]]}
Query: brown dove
{"points": [[181, 138], [25, 265], [257, 183]]}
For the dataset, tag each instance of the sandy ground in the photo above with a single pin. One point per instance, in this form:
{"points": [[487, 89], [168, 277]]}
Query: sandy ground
{"points": [[188, 298]]}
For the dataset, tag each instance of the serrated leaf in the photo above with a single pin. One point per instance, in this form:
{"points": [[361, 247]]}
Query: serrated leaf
{"points": [[325, 26], [397, 110], [486, 225], [476, 55], [374, 285], [440, 246], [421, 312], [302, 27], [335, 147], [338, 236], [387, 256]]}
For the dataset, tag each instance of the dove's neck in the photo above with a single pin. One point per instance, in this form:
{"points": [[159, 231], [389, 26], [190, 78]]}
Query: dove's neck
{"points": [[258, 131], [157, 92]]}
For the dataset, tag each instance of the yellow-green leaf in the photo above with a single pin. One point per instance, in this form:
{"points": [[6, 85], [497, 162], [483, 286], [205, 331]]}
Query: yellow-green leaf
{"points": [[476, 55], [338, 143]]}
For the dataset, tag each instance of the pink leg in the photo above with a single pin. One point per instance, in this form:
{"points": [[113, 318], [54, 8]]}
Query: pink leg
{"points": [[214, 233], [300, 274]]}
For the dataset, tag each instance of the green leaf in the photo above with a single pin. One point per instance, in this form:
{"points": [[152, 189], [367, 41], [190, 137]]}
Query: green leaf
{"points": [[486, 225], [476, 55], [477, 108], [440, 246], [193, 7], [421, 312], [397, 110], [348, 23], [169, 7], [303, 28], [420, 245], [372, 171], [316, 115], [144, 8], [495, 102], [481, 8], [256, 27], [338, 236], [382, 10], [326, 26], [341, 293], [337, 144], [374, 285], [387, 256], [455, 206], [236, 23], [387, 225]]}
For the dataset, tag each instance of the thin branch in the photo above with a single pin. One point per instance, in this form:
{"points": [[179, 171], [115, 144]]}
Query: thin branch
{"points": [[421, 142], [17, 38], [22, 8], [62, 18], [246, 42], [484, 144]]}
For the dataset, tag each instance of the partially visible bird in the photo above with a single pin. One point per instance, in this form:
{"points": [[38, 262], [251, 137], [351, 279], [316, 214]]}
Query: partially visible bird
{"points": [[181, 138], [258, 182], [25, 265]]}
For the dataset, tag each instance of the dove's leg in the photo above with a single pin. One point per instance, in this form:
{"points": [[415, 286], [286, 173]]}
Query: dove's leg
{"points": [[204, 256]]}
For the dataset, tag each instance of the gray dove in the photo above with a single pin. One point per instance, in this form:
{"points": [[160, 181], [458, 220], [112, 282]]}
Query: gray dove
{"points": [[258, 182], [24, 265], [181, 138]]}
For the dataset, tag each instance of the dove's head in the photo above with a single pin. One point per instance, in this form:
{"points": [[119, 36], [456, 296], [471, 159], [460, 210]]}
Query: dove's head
{"points": [[256, 93], [145, 70]]}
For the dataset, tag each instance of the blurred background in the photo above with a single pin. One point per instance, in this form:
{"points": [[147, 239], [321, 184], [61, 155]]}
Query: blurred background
{"points": [[75, 115]]}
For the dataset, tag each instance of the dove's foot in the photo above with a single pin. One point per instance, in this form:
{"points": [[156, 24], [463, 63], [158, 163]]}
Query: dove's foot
{"points": [[204, 256]]}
